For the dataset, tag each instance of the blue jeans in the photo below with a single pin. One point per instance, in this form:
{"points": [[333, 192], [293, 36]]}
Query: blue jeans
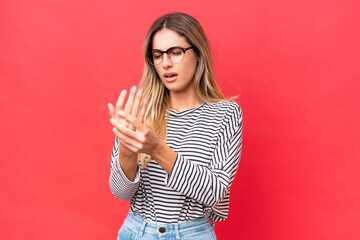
{"points": [[136, 228]]}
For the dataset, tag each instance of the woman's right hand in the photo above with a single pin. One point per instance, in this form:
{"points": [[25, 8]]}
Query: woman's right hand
{"points": [[133, 107]]}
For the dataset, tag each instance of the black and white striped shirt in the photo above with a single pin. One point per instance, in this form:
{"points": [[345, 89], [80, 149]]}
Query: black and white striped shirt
{"points": [[207, 140]]}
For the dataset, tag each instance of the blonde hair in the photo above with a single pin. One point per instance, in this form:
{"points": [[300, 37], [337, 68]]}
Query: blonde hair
{"points": [[155, 91]]}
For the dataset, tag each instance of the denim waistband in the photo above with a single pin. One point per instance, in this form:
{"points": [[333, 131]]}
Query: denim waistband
{"points": [[154, 228]]}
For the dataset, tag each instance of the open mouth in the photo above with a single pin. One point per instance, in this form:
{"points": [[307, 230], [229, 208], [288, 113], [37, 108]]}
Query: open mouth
{"points": [[170, 76]]}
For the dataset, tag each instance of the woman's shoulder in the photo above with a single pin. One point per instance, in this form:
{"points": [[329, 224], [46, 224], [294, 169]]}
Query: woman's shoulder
{"points": [[225, 107], [226, 115]]}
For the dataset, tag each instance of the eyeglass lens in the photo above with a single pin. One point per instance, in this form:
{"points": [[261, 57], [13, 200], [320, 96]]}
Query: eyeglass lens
{"points": [[176, 55]]}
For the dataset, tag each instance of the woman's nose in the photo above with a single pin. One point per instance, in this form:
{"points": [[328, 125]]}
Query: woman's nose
{"points": [[166, 62]]}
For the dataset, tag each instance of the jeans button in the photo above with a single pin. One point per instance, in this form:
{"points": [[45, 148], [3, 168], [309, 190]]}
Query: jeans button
{"points": [[162, 229]]}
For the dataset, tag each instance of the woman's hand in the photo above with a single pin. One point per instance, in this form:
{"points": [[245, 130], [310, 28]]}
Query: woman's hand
{"points": [[127, 157], [134, 136], [132, 108], [139, 139]]}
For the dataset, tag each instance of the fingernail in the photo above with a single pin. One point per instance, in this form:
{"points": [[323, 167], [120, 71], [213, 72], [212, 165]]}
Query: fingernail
{"points": [[121, 112], [133, 89], [139, 93], [123, 91], [112, 120]]}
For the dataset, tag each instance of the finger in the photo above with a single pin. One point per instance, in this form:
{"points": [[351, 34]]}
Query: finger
{"points": [[125, 140], [128, 119], [127, 146], [135, 110], [130, 102], [131, 120], [143, 111], [122, 137], [111, 110], [130, 134], [131, 148], [120, 102]]}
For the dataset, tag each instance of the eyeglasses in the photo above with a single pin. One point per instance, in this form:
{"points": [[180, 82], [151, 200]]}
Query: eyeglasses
{"points": [[176, 55]]}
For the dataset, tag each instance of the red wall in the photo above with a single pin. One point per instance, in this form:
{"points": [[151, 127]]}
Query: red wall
{"points": [[295, 63]]}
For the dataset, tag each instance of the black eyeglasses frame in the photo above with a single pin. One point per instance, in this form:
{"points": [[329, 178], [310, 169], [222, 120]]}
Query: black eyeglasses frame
{"points": [[150, 58]]}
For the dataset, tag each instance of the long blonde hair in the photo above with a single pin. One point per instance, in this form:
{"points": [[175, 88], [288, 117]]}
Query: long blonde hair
{"points": [[155, 91]]}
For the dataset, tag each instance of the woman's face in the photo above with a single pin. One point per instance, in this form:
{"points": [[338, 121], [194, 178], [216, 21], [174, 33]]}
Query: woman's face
{"points": [[177, 77]]}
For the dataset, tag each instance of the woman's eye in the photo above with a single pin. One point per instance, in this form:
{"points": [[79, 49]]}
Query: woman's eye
{"points": [[176, 52], [157, 56]]}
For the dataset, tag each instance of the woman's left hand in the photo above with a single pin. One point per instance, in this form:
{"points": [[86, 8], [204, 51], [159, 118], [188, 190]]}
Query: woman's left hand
{"points": [[139, 140]]}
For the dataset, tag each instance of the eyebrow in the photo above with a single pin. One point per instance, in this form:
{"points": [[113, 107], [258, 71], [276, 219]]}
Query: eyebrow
{"points": [[167, 49]]}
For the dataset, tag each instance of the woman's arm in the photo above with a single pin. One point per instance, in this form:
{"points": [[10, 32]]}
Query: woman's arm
{"points": [[210, 184], [124, 169], [205, 184], [120, 185]]}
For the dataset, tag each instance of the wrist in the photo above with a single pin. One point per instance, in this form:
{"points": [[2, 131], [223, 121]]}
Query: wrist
{"points": [[156, 150], [164, 156]]}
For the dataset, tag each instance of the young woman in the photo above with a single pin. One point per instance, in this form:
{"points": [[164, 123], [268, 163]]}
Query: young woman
{"points": [[178, 140]]}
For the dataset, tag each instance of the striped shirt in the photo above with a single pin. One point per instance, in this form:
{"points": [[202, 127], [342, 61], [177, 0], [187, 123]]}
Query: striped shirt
{"points": [[207, 140]]}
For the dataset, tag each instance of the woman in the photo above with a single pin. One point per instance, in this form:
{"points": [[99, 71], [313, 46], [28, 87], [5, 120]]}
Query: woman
{"points": [[184, 134]]}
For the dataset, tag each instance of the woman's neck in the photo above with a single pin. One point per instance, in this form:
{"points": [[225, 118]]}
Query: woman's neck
{"points": [[180, 101]]}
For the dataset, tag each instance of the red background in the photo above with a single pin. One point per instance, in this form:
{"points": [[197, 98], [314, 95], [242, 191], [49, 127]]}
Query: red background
{"points": [[295, 63]]}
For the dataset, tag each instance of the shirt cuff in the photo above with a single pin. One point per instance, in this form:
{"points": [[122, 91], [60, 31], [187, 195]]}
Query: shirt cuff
{"points": [[172, 179], [123, 177]]}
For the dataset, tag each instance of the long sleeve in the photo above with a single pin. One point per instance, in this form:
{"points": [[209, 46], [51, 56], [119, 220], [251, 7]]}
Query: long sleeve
{"points": [[211, 184], [121, 187], [208, 141]]}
